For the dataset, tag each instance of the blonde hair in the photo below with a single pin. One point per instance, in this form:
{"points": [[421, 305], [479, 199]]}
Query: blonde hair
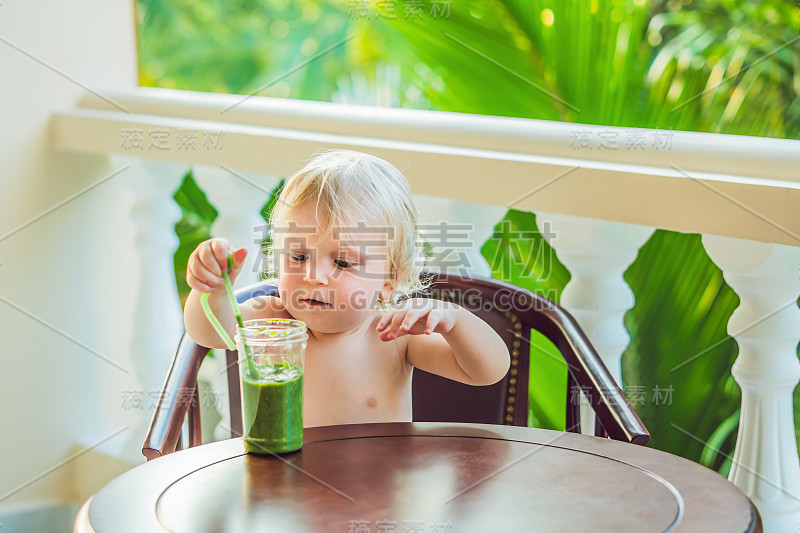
{"points": [[353, 187]]}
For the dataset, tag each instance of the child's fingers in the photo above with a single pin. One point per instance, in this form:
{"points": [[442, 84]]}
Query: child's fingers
{"points": [[409, 321], [397, 319], [388, 329], [433, 319], [393, 330], [202, 277], [196, 284], [205, 255], [220, 249], [200, 287], [386, 320]]}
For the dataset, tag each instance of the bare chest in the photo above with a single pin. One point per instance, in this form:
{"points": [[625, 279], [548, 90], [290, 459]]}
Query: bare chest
{"points": [[356, 382]]}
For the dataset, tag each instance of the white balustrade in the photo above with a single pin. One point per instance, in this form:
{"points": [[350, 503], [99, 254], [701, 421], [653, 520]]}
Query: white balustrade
{"points": [[238, 198], [158, 318], [766, 325], [456, 231], [597, 253]]}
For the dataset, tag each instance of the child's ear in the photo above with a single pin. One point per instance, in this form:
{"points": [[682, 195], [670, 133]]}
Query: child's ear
{"points": [[387, 290], [390, 285]]}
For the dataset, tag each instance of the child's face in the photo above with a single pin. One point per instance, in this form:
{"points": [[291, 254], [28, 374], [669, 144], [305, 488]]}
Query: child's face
{"points": [[347, 272]]}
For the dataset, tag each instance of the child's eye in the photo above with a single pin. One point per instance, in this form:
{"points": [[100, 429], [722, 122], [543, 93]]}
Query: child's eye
{"points": [[298, 257], [342, 264]]}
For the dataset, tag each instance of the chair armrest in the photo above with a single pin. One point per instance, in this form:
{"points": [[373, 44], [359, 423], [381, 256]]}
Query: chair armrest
{"points": [[167, 420], [164, 432], [588, 370], [585, 367]]}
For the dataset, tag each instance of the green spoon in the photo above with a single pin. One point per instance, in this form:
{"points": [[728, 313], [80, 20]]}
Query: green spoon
{"points": [[218, 327]]}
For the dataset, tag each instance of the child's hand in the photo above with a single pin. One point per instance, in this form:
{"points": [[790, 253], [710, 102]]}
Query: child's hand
{"points": [[207, 263], [416, 316]]}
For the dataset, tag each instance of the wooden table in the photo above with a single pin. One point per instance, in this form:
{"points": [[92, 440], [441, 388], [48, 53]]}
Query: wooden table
{"points": [[422, 477]]}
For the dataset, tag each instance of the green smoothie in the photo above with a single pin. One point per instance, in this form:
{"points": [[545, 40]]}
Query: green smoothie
{"points": [[273, 409]]}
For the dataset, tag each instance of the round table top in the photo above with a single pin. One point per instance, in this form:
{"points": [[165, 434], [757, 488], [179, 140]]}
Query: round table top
{"points": [[402, 477]]}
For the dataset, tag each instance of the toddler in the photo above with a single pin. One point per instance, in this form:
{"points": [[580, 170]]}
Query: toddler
{"points": [[345, 247]]}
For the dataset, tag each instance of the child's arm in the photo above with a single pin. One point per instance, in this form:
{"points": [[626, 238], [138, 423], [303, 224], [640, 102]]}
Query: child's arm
{"points": [[467, 349], [204, 274]]}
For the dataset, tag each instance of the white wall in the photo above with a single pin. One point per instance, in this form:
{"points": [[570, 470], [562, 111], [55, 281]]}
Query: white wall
{"points": [[74, 268]]}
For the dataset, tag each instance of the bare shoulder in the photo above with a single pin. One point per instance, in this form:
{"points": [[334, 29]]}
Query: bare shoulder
{"points": [[263, 307]]}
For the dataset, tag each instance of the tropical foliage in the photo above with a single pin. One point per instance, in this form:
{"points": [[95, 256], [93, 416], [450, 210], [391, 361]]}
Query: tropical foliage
{"points": [[703, 65]]}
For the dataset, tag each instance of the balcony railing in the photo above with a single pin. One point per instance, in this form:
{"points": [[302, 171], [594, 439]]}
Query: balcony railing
{"points": [[604, 190]]}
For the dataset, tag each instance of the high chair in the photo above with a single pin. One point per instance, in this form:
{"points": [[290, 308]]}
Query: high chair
{"points": [[512, 311]]}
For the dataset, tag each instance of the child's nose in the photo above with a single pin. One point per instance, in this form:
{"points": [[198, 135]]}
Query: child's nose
{"points": [[316, 273]]}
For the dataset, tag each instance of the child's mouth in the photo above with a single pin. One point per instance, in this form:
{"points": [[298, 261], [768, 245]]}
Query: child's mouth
{"points": [[315, 303]]}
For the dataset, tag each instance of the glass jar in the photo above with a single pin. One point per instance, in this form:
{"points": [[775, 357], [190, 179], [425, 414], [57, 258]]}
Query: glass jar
{"points": [[271, 365]]}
